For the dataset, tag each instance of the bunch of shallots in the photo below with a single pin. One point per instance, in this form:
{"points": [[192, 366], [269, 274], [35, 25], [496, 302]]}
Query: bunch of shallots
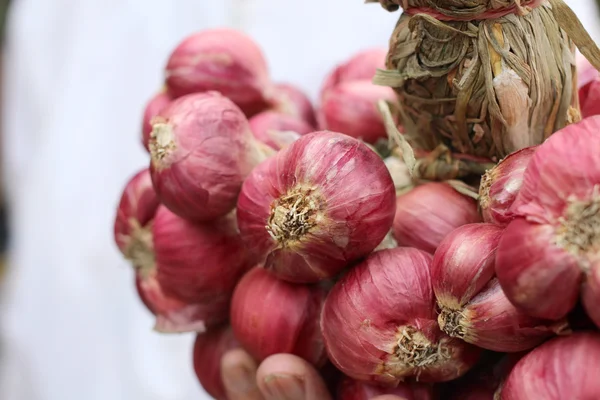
{"points": [[265, 225]]}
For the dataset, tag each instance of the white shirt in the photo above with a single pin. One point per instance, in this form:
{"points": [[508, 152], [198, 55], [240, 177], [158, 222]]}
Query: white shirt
{"points": [[78, 74]]}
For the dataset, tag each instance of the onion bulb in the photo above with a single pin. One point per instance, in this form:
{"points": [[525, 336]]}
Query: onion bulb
{"points": [[501, 184], [202, 150], [473, 306], [379, 323], [270, 316], [548, 256], [278, 130], [429, 212], [316, 206], [222, 60], [563, 368]]}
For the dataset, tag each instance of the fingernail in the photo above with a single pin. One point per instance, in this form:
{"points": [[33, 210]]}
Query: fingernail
{"points": [[284, 387], [239, 379]]}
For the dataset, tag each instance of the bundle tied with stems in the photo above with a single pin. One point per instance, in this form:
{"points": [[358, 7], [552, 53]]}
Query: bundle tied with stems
{"points": [[479, 80]]}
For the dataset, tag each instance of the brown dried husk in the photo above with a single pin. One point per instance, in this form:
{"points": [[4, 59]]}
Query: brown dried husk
{"points": [[482, 88], [459, 9]]}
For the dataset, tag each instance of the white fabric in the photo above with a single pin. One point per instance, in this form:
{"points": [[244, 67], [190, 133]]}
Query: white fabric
{"points": [[78, 74]]}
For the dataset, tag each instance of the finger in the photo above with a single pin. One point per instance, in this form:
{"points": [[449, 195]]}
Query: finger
{"points": [[238, 372], [287, 377]]}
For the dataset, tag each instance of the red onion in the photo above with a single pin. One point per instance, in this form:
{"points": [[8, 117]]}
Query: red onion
{"points": [[351, 108], [501, 184], [291, 100], [222, 60], [351, 389], [546, 253], [427, 213], [563, 368], [270, 316], [132, 228], [278, 130], [588, 80], [174, 315], [202, 150], [379, 323], [198, 262], [153, 108], [133, 234], [316, 206], [209, 349], [362, 66], [473, 306]]}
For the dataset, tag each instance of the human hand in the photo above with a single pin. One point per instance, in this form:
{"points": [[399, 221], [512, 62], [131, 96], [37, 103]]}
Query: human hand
{"points": [[279, 377]]}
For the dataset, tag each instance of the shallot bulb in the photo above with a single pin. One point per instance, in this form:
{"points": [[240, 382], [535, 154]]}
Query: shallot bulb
{"points": [[351, 108], [501, 184], [563, 368], [133, 222], [222, 60], [209, 349], [133, 234], [270, 316], [588, 80], [549, 255], [427, 213], [379, 323], [316, 206], [361, 66], [351, 389], [198, 262], [293, 101], [278, 130], [473, 306], [153, 108], [202, 150]]}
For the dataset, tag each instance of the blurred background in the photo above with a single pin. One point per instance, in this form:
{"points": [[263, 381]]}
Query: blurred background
{"points": [[75, 77]]}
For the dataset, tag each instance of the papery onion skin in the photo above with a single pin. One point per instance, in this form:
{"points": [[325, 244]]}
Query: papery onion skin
{"points": [[198, 263], [135, 211], [500, 186], [293, 101], [351, 389], [270, 316], [563, 368], [278, 130], [546, 253], [427, 213], [209, 349], [351, 108], [222, 60], [346, 196], [473, 306], [385, 306], [202, 150], [153, 108], [362, 66]]}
